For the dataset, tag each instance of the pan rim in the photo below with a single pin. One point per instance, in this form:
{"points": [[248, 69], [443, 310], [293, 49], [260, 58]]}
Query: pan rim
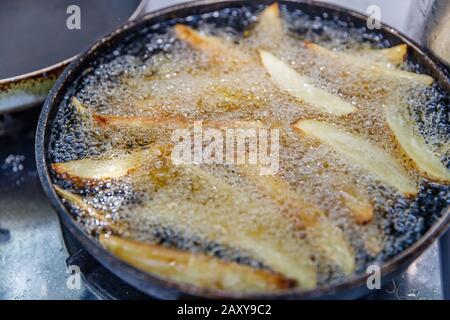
{"points": [[160, 287]]}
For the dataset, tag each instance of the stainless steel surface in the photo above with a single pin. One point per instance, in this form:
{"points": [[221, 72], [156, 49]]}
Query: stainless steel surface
{"points": [[429, 21], [32, 259], [32, 256]]}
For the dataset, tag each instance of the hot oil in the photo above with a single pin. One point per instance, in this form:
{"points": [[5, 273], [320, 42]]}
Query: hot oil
{"points": [[161, 76]]}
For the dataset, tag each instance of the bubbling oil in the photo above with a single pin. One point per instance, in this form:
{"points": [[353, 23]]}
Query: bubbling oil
{"points": [[158, 75]]}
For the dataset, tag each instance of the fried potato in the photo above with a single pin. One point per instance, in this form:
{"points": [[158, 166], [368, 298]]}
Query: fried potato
{"points": [[225, 221], [269, 27], [170, 122], [218, 49], [323, 236], [199, 41], [234, 124], [113, 121], [92, 169], [270, 251], [301, 87], [79, 107], [195, 269], [92, 213], [361, 152], [413, 144], [103, 169], [375, 68], [393, 56], [77, 201], [361, 208], [174, 122], [374, 244]]}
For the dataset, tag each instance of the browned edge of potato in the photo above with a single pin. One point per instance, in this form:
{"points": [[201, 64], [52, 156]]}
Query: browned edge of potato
{"points": [[193, 268]]}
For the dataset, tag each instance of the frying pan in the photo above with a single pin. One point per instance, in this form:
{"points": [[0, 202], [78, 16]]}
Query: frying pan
{"points": [[353, 287], [36, 45]]}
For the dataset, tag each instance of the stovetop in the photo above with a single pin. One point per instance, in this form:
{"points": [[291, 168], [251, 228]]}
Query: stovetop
{"points": [[34, 258]]}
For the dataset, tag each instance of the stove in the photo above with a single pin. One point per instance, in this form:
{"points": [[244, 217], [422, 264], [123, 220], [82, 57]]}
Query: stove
{"points": [[37, 255]]}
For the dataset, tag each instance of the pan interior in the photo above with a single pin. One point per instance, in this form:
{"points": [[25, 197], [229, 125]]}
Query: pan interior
{"points": [[35, 35], [149, 66]]}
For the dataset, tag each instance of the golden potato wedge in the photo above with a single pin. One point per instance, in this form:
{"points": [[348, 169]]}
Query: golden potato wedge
{"points": [[269, 238], [374, 245], [270, 19], [77, 201], [322, 235], [269, 251], [195, 269], [301, 87], [79, 107], [174, 122], [233, 124], [413, 144], [92, 169], [149, 122], [361, 152], [197, 40], [113, 121], [377, 69], [279, 190]]}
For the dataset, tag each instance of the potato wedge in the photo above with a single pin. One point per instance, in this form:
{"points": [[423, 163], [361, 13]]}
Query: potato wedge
{"points": [[79, 107], [280, 191], [361, 152], [233, 124], [195, 269], [413, 144], [270, 20], [360, 207], [270, 25], [170, 122], [143, 122], [301, 87], [322, 235], [103, 169], [199, 41], [91, 169], [375, 68], [115, 121], [269, 238], [393, 56], [216, 48], [174, 122], [374, 244], [77, 201]]}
